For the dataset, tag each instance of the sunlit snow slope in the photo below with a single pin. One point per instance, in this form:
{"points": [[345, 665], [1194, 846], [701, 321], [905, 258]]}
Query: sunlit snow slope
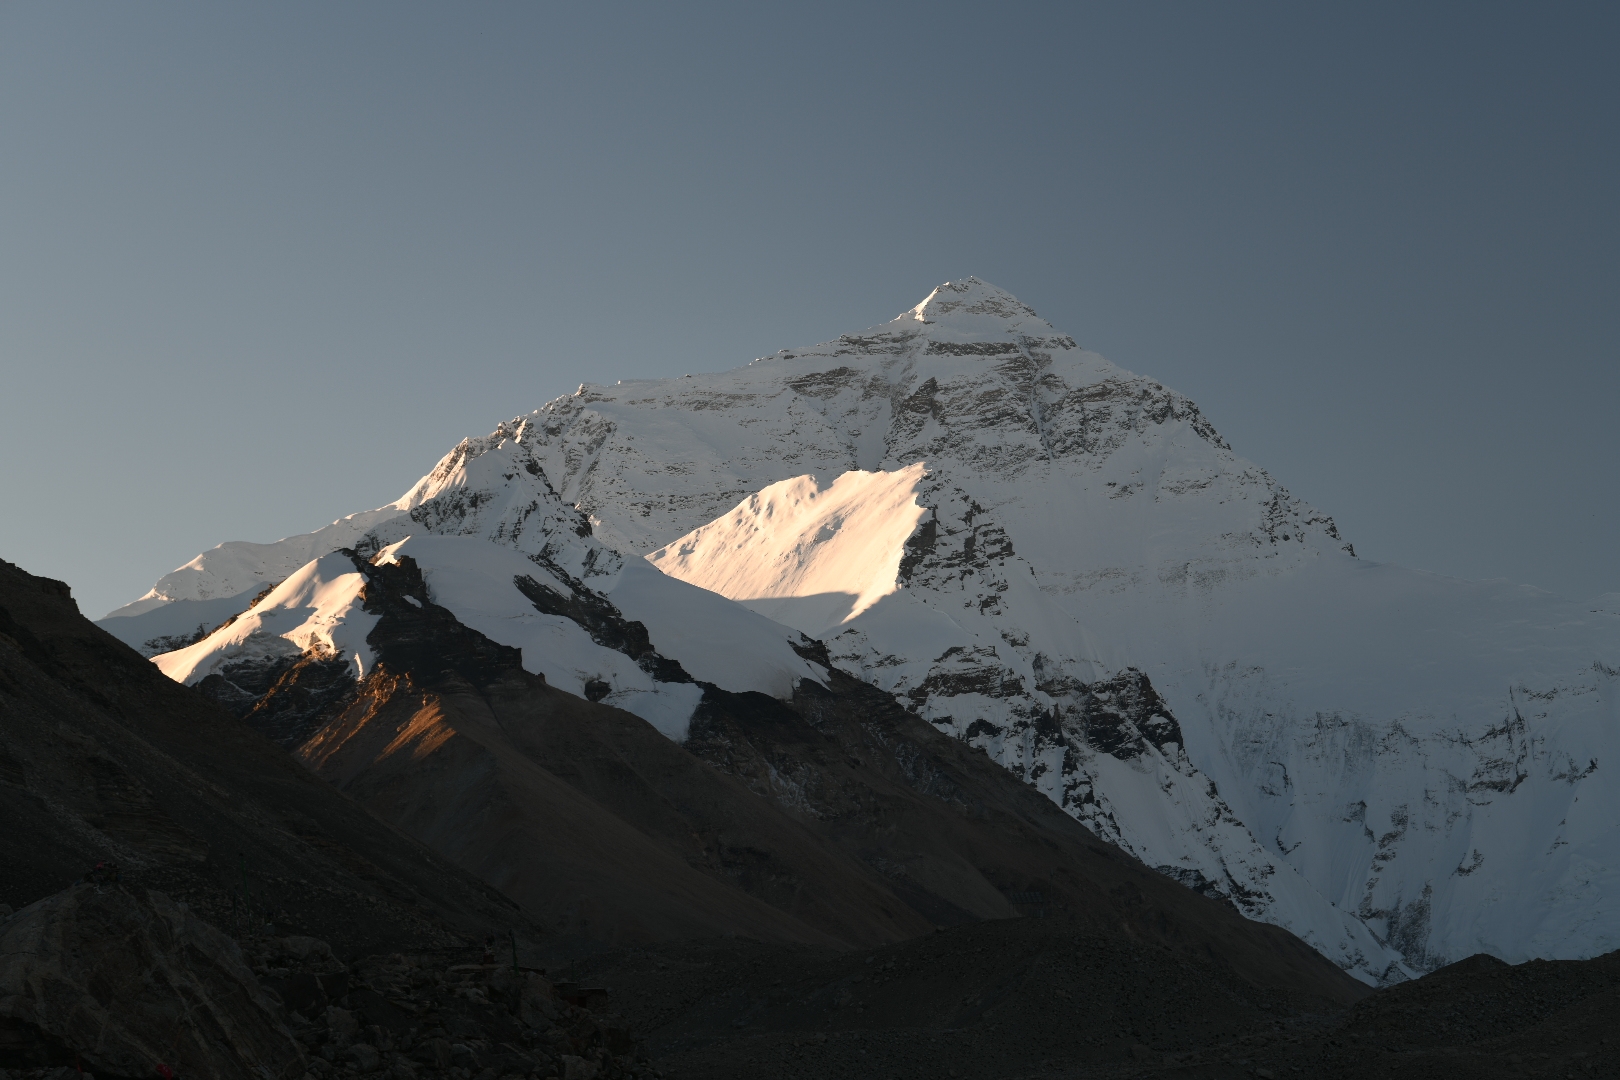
{"points": [[316, 608], [810, 557], [1064, 563], [489, 533]]}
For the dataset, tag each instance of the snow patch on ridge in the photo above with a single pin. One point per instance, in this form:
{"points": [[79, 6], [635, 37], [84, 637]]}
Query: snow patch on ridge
{"points": [[715, 640], [709, 636], [154, 625], [475, 580]]}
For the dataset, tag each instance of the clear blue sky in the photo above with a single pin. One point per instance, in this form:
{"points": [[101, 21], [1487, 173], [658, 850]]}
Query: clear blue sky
{"points": [[262, 264]]}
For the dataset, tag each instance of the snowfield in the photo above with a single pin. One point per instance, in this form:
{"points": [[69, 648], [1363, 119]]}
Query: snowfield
{"points": [[320, 605], [809, 557], [316, 608], [1051, 558]]}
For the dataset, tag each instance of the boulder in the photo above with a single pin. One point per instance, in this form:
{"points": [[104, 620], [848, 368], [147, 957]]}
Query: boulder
{"points": [[365, 1057], [578, 1068], [341, 1023], [121, 979]]}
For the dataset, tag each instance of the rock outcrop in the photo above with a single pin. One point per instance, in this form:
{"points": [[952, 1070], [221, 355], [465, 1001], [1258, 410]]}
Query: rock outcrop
{"points": [[122, 983], [121, 980], [445, 1015]]}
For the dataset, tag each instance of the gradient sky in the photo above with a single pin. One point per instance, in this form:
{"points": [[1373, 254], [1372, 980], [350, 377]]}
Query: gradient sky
{"points": [[262, 264]]}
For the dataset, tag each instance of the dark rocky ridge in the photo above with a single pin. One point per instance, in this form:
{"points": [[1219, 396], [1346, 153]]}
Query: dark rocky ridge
{"points": [[103, 758], [838, 818], [603, 622], [1045, 998], [120, 979], [117, 981]]}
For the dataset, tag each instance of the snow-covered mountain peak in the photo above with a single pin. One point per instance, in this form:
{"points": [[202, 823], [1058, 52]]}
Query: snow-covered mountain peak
{"points": [[998, 403], [958, 325], [1064, 564], [976, 307], [491, 485], [470, 464]]}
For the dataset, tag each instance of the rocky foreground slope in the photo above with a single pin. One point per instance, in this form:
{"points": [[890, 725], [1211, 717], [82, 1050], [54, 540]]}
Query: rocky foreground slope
{"points": [[150, 837], [118, 981], [103, 759], [1063, 564], [832, 817], [1104, 969], [1042, 998], [889, 830]]}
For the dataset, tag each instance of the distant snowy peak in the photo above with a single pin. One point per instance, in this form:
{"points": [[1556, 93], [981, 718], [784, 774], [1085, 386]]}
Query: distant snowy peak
{"points": [[977, 309], [490, 487], [973, 382]]}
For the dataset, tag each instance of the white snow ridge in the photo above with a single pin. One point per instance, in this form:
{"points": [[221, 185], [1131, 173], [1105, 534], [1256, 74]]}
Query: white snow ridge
{"points": [[808, 557], [1053, 559]]}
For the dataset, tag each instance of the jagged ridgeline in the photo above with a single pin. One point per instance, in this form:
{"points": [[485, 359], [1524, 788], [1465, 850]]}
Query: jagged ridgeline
{"points": [[1034, 552]]}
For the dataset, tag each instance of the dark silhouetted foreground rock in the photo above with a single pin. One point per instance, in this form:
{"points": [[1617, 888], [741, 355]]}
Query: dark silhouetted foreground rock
{"points": [[103, 758], [122, 979], [1047, 999], [124, 983], [444, 1015]]}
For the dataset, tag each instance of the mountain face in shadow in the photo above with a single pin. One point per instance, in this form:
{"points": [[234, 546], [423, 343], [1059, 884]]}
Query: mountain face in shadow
{"points": [[104, 760], [835, 818]]}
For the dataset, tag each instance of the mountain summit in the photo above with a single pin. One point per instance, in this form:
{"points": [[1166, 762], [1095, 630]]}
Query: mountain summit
{"points": [[974, 307], [1063, 564]]}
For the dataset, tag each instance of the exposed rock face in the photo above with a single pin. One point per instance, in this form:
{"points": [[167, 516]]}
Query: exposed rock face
{"points": [[296, 695], [122, 979]]}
